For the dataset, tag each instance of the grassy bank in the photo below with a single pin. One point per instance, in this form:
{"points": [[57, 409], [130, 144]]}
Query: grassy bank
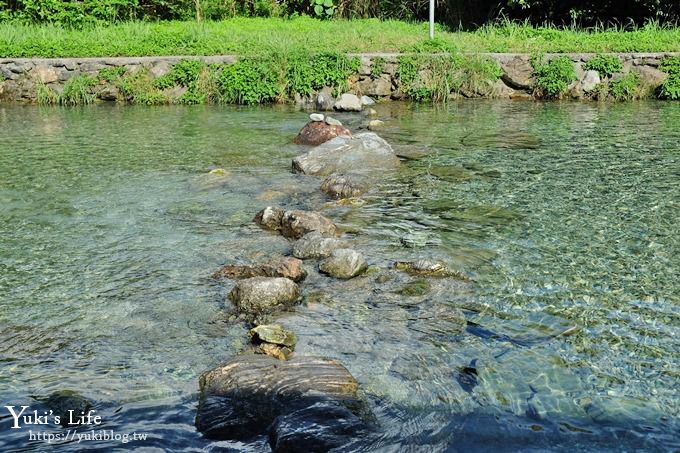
{"points": [[250, 36]]}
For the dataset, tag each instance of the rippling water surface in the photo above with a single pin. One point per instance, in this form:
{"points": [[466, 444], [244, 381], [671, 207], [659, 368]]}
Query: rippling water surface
{"points": [[563, 216]]}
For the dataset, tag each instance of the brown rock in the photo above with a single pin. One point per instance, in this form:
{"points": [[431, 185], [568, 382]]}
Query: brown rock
{"points": [[259, 296], [297, 223], [276, 351], [270, 218], [45, 74], [317, 132], [286, 267]]}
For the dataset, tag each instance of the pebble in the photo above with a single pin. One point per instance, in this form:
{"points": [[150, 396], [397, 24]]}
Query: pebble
{"points": [[332, 121], [316, 117]]}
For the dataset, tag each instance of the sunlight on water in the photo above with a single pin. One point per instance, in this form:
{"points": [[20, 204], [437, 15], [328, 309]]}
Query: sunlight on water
{"points": [[562, 216]]}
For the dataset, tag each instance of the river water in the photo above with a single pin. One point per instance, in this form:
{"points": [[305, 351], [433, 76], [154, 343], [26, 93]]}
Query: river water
{"points": [[563, 216]]}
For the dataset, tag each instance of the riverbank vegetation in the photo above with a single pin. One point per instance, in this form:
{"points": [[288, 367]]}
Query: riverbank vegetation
{"points": [[452, 13], [253, 36]]}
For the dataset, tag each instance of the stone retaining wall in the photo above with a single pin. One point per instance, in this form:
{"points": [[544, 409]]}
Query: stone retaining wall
{"points": [[21, 77]]}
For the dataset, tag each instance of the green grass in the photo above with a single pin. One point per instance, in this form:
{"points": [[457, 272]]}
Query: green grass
{"points": [[251, 36]]}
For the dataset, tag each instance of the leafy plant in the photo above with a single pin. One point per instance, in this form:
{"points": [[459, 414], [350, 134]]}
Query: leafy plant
{"points": [[670, 89], [605, 65], [252, 80], [138, 88], [377, 66], [111, 74], [625, 88], [324, 9], [552, 78]]}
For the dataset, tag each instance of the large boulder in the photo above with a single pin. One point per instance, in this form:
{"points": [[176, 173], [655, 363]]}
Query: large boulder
{"points": [[286, 267], [317, 132], [518, 73], [363, 153], [343, 186], [344, 263], [316, 245], [589, 81], [297, 223], [244, 397], [259, 296]]}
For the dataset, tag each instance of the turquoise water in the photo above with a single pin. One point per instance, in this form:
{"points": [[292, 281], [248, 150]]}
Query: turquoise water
{"points": [[564, 216]]}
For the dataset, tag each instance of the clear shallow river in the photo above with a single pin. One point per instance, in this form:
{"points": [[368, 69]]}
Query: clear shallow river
{"points": [[562, 215]]}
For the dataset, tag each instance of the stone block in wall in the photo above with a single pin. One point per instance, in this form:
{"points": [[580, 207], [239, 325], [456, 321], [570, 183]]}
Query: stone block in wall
{"points": [[501, 91], [366, 65], [650, 76], [45, 73], [6, 74], [160, 69], [391, 68], [589, 81], [381, 86], [64, 74], [91, 67], [517, 72]]}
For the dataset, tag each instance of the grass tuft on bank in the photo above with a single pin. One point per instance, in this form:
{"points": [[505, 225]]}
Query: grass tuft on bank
{"points": [[255, 36]]}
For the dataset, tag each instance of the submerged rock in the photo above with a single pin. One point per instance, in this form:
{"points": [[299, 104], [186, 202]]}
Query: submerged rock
{"points": [[286, 267], [348, 103], [359, 154], [297, 223], [317, 132], [344, 263], [342, 186], [315, 245], [63, 401], [375, 124], [429, 268], [418, 287], [244, 397], [318, 428], [263, 295]]}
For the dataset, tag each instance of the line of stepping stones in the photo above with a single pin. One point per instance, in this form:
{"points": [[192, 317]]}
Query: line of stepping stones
{"points": [[273, 391]]}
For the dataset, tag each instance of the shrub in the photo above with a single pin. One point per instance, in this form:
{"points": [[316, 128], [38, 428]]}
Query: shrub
{"points": [[605, 65], [552, 78], [625, 88], [252, 80], [670, 89], [436, 77]]}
